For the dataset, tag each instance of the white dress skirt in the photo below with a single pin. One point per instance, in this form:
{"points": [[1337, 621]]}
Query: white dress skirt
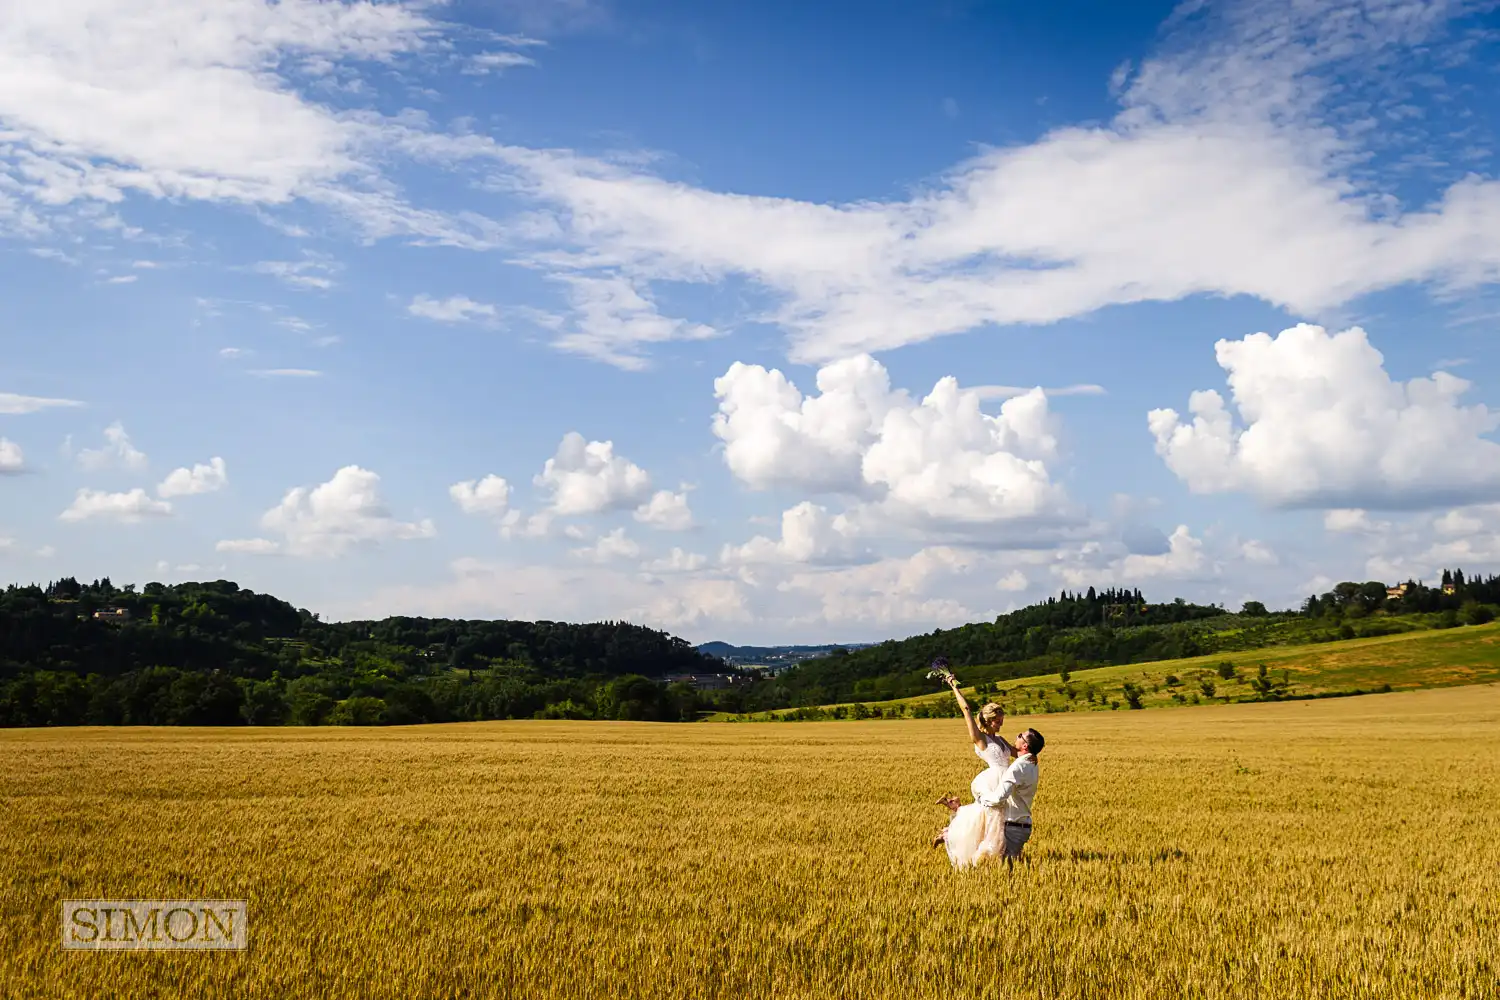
{"points": [[976, 833]]}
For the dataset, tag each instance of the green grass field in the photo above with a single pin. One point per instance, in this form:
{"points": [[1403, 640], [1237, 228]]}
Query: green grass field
{"points": [[1412, 660], [1298, 851]]}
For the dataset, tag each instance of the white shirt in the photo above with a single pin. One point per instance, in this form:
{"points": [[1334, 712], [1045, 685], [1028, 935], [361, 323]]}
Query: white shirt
{"points": [[1014, 791]]}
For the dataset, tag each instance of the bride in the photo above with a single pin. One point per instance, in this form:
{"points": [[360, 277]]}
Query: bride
{"points": [[976, 833]]}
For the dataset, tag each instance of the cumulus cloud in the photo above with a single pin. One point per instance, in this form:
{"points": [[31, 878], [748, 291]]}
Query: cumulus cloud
{"points": [[1321, 424], [938, 462], [1346, 519], [1015, 580], [609, 547], [587, 477], [454, 309], [488, 589], [677, 561], [117, 452], [248, 546], [515, 525], [12, 404], [666, 511], [127, 508], [1007, 391], [1259, 553], [1098, 564], [1184, 557], [490, 495], [331, 519], [12, 459], [199, 479], [916, 593], [808, 534]]}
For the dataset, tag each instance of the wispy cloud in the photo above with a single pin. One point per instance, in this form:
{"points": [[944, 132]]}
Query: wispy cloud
{"points": [[14, 404], [312, 273], [454, 309], [286, 372]]}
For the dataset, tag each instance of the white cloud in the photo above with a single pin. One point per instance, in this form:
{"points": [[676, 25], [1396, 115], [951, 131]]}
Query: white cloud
{"points": [[248, 546], [1460, 522], [128, 508], [1350, 520], [310, 273], [335, 517], [1421, 546], [485, 63], [563, 593], [490, 495], [1231, 169], [178, 99], [1015, 580], [234, 352], [1324, 425], [518, 525], [1007, 391], [940, 463], [286, 372], [123, 279], [1259, 553], [12, 459], [117, 452], [12, 404], [897, 595], [199, 479], [808, 534], [666, 511], [613, 318], [587, 477], [677, 561], [1183, 558], [454, 309], [1096, 564], [609, 547]]}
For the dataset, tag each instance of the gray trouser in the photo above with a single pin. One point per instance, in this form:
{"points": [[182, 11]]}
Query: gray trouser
{"points": [[1016, 835]]}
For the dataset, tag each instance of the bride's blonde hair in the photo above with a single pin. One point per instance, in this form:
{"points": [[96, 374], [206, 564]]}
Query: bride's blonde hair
{"points": [[991, 711]]}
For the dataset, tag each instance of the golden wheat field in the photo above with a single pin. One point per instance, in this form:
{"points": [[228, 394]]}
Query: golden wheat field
{"points": [[1333, 849]]}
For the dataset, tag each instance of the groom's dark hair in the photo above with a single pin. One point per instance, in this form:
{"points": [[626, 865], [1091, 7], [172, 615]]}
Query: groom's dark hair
{"points": [[1034, 742]]}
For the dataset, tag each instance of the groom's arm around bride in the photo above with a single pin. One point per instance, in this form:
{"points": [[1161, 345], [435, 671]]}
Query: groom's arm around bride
{"points": [[1015, 791]]}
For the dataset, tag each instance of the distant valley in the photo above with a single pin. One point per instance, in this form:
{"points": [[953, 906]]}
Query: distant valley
{"points": [[773, 657]]}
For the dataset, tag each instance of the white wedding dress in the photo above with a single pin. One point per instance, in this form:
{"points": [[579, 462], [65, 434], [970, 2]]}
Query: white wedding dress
{"points": [[976, 833]]}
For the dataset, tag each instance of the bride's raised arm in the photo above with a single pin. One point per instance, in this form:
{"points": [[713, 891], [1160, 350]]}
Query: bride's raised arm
{"points": [[963, 706]]}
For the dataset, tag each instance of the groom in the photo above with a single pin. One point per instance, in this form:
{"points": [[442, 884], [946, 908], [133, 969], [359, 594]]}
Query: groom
{"points": [[1015, 792]]}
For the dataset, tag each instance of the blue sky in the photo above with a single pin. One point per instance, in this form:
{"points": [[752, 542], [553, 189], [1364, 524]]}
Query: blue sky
{"points": [[776, 322]]}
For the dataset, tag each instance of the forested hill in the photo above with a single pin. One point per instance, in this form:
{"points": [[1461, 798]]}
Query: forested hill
{"points": [[1097, 628], [214, 653], [1109, 626]]}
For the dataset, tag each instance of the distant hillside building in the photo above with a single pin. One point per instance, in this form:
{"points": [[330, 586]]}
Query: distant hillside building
{"points": [[702, 682], [1397, 592], [113, 615]]}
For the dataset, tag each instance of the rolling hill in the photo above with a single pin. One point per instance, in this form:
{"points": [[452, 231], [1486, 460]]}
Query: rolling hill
{"points": [[1421, 659]]}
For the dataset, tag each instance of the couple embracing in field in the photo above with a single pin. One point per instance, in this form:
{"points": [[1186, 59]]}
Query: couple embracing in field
{"points": [[997, 823]]}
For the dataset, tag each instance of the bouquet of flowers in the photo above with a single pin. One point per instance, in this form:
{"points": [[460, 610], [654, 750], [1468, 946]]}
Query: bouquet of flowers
{"points": [[941, 672]]}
